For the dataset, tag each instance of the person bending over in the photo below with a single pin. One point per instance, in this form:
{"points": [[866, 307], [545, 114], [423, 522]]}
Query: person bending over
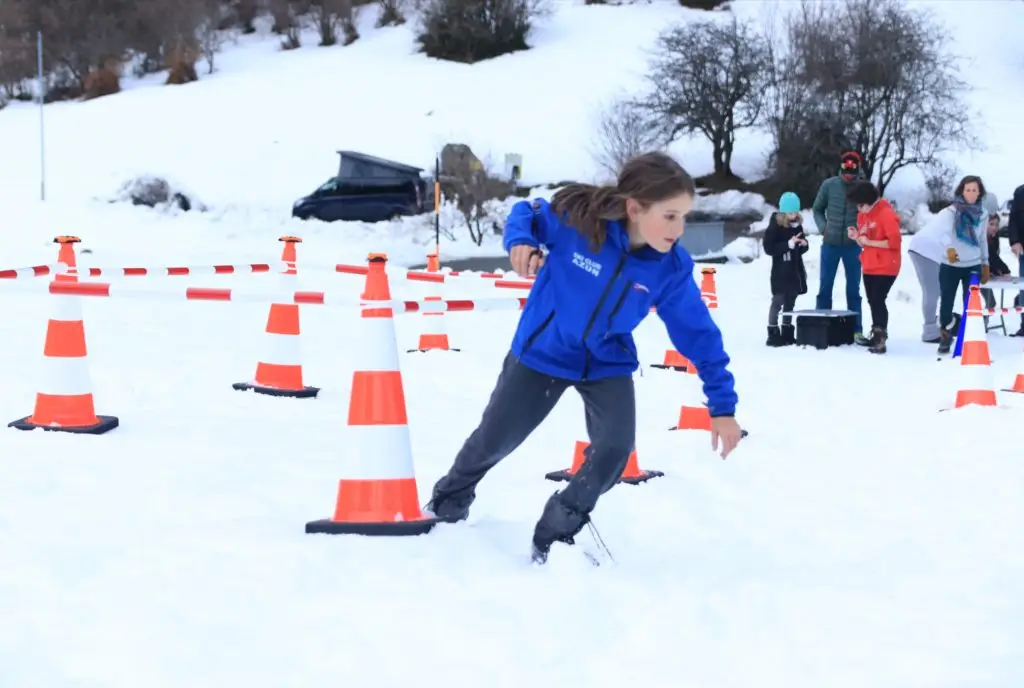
{"points": [[612, 254]]}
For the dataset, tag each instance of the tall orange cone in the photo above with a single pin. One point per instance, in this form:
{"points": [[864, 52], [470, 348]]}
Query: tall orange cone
{"points": [[1018, 382], [279, 374], [707, 288], [66, 403], [433, 337], [631, 474], [379, 495], [976, 384]]}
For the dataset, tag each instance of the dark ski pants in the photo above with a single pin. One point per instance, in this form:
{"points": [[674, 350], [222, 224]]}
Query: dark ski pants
{"points": [[876, 288], [951, 278], [521, 400]]}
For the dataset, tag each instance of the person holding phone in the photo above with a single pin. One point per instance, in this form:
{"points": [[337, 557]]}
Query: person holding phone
{"points": [[784, 241], [878, 234]]}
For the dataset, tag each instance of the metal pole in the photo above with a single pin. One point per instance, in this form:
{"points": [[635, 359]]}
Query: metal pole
{"points": [[42, 97]]}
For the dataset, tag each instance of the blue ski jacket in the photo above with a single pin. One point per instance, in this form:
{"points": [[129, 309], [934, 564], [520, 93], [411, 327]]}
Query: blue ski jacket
{"points": [[578, 321]]}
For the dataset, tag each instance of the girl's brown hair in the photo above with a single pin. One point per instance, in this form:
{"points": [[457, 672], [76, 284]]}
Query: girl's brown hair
{"points": [[648, 178]]}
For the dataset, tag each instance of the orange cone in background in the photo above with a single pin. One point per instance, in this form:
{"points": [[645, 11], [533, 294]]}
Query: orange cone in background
{"points": [[707, 288], [673, 361], [433, 336], [66, 402], [279, 374], [1018, 382], [378, 495], [976, 385], [631, 474]]}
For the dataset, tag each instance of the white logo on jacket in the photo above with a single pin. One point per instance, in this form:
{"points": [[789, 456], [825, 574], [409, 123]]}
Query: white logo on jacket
{"points": [[588, 264]]}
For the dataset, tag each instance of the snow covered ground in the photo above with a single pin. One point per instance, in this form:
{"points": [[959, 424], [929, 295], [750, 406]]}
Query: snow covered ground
{"points": [[857, 538]]}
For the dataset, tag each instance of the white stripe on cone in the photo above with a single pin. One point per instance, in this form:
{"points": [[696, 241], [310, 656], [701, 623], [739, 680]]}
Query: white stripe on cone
{"points": [[379, 348], [382, 452], [67, 308], [65, 376], [282, 349]]}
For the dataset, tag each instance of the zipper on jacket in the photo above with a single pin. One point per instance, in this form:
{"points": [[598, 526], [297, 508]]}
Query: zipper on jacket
{"points": [[597, 309], [618, 303], [536, 333]]}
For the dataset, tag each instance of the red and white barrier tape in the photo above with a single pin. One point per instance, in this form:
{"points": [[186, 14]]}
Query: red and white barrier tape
{"points": [[34, 271], [501, 280], [177, 271], [310, 298]]}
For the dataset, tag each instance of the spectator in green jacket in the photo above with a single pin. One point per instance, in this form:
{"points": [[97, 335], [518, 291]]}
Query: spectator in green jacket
{"points": [[834, 215]]}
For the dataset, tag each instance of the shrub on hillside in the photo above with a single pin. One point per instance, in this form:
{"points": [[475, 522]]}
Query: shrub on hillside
{"points": [[102, 82], [155, 192], [181, 64], [469, 31], [622, 132]]}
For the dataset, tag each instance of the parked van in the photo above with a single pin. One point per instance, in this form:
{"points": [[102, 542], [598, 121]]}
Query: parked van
{"points": [[367, 189]]}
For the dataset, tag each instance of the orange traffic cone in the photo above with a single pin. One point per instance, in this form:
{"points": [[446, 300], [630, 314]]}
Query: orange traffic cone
{"points": [[976, 386], [280, 374], [433, 337], [707, 288], [66, 403], [673, 361], [631, 474], [693, 417], [1018, 382], [379, 496]]}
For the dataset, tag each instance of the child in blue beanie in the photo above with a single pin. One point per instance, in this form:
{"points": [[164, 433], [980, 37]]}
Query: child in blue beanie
{"points": [[784, 241]]}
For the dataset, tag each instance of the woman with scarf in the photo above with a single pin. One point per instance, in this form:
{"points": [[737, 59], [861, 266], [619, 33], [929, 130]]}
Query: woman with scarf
{"points": [[963, 236]]}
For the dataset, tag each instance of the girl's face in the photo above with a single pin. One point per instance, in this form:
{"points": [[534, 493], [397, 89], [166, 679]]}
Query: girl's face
{"points": [[971, 192], [661, 224], [863, 207], [793, 217], [993, 226]]}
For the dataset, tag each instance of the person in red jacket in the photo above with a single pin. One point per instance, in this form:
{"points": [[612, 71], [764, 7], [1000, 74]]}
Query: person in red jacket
{"points": [[878, 234]]}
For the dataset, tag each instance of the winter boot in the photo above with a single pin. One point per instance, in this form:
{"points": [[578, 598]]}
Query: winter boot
{"points": [[774, 337], [878, 339], [558, 523], [860, 340], [788, 335], [449, 509], [945, 341]]}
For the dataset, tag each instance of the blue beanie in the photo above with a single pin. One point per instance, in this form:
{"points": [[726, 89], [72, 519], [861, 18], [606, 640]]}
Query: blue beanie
{"points": [[789, 202]]}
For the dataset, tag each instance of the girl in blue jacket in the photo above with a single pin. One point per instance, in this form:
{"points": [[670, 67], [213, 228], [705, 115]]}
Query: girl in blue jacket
{"points": [[613, 253]]}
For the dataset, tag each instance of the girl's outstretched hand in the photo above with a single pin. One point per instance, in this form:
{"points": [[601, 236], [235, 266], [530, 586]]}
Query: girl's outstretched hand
{"points": [[525, 259], [725, 431]]}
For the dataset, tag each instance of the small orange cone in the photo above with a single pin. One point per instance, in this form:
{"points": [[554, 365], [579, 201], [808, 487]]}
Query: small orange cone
{"points": [[66, 403], [976, 386], [1018, 382], [280, 373], [631, 474], [707, 288], [379, 496], [693, 417], [433, 337], [673, 361]]}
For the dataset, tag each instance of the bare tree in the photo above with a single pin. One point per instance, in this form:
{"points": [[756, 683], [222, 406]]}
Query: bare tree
{"points": [[391, 13], [882, 75], [622, 132], [708, 78], [288, 18], [940, 179], [209, 34]]}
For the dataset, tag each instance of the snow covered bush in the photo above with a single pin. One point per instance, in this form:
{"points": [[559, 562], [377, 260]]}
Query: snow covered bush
{"points": [[158, 193]]}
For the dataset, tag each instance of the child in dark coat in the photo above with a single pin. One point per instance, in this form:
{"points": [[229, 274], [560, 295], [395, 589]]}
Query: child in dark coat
{"points": [[784, 241]]}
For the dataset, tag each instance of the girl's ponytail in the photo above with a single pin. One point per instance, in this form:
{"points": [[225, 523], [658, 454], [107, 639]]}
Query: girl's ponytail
{"points": [[586, 208]]}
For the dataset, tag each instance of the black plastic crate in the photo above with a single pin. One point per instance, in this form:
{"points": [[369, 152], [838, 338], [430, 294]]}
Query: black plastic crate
{"points": [[822, 329]]}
